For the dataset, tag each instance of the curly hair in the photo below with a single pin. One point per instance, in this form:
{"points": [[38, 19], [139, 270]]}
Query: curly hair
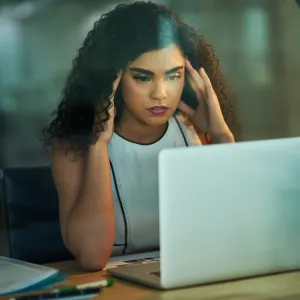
{"points": [[117, 38]]}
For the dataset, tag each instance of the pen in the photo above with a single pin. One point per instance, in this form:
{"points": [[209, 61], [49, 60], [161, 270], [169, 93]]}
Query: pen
{"points": [[102, 283], [62, 294]]}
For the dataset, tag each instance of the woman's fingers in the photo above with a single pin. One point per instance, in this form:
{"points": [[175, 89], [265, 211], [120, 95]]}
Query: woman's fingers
{"points": [[196, 81], [116, 82], [208, 86], [186, 109]]}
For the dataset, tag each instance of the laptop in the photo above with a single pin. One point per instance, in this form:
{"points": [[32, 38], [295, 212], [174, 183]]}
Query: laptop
{"points": [[227, 211]]}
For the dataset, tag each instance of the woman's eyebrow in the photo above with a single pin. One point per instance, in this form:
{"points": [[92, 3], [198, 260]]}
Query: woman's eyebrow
{"points": [[148, 72]]}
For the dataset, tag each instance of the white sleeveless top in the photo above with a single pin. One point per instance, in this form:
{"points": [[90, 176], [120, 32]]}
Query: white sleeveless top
{"points": [[134, 174]]}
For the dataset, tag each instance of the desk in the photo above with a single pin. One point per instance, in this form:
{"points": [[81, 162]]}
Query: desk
{"points": [[282, 286]]}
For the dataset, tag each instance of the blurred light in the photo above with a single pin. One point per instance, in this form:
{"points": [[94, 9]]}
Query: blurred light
{"points": [[25, 10]]}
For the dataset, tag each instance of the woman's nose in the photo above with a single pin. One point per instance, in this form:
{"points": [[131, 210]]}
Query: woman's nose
{"points": [[159, 91]]}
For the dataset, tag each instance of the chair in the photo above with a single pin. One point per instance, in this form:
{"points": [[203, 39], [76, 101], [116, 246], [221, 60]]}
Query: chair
{"points": [[29, 216]]}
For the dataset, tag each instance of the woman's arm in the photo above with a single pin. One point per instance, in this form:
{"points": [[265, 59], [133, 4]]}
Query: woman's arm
{"points": [[206, 139], [86, 204]]}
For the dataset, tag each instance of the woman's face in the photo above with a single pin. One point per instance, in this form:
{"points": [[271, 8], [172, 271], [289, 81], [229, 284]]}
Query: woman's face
{"points": [[152, 85]]}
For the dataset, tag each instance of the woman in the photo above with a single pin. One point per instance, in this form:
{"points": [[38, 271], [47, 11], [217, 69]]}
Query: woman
{"points": [[138, 67]]}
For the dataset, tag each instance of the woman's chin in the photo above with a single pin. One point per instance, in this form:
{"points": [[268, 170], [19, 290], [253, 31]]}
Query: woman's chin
{"points": [[158, 120]]}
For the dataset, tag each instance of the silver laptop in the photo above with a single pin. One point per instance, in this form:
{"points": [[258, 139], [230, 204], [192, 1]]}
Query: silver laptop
{"points": [[227, 211]]}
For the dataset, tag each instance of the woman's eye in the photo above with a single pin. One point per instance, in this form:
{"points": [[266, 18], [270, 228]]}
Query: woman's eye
{"points": [[174, 77], [141, 78]]}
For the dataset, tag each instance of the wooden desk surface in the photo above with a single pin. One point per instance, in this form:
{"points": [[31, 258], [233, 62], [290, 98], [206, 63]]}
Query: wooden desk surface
{"points": [[281, 286]]}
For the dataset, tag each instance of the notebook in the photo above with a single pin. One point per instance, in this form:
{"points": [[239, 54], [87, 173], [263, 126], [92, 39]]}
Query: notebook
{"points": [[20, 276]]}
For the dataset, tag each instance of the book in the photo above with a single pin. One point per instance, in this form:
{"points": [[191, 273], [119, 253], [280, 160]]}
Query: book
{"points": [[19, 276]]}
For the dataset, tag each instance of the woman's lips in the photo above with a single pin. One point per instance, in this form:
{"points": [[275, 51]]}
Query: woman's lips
{"points": [[158, 110]]}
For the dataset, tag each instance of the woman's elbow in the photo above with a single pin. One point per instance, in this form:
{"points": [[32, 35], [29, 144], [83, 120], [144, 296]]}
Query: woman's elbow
{"points": [[90, 256], [92, 263]]}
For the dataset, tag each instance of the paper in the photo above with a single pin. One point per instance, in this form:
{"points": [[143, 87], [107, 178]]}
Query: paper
{"points": [[17, 276]]}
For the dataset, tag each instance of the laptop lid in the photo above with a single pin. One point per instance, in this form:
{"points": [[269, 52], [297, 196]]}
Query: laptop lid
{"points": [[229, 211]]}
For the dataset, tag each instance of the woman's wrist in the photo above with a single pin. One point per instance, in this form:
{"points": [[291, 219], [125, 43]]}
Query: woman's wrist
{"points": [[225, 137]]}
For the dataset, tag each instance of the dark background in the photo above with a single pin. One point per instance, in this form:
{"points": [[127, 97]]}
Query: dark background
{"points": [[257, 41]]}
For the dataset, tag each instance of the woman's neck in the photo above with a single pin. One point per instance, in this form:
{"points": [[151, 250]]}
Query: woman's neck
{"points": [[136, 131]]}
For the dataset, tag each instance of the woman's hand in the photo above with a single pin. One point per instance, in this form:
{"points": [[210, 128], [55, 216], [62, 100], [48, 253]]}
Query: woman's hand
{"points": [[106, 135], [208, 116]]}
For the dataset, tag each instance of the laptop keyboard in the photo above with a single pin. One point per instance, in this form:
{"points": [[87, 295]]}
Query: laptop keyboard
{"points": [[142, 260]]}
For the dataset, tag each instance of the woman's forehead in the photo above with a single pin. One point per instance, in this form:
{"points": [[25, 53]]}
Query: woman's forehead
{"points": [[159, 60]]}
